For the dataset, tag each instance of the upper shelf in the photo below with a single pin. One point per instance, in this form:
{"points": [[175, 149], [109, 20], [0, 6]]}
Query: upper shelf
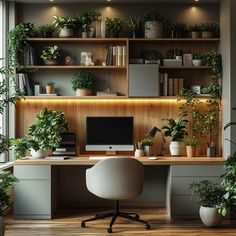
{"points": [[176, 40]]}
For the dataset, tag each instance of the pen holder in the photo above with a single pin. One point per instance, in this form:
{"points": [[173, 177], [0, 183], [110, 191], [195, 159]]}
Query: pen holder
{"points": [[211, 151], [139, 153]]}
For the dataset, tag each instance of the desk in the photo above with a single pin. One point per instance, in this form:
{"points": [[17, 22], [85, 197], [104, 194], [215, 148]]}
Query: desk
{"points": [[35, 197]]}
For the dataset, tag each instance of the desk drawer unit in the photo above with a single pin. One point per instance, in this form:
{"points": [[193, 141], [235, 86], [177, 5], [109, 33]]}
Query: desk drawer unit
{"points": [[179, 202]]}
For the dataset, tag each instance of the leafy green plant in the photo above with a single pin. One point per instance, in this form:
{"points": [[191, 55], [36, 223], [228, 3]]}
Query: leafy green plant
{"points": [[209, 194], [6, 181], [147, 142], [87, 18], [194, 28], [192, 143], [152, 15], [176, 128], [51, 84], [114, 26], [50, 53], [197, 56], [210, 27], [21, 147], [46, 31], [83, 80], [61, 22], [135, 25], [47, 130]]}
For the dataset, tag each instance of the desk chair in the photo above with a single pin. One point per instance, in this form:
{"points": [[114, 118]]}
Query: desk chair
{"points": [[118, 178]]}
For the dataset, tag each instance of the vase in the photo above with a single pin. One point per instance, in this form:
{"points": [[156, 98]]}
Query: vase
{"points": [[66, 33], [39, 153], [153, 29], [210, 216], [83, 92], [176, 148], [2, 226]]}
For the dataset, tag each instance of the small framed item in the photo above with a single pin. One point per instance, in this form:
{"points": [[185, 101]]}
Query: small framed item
{"points": [[196, 89]]}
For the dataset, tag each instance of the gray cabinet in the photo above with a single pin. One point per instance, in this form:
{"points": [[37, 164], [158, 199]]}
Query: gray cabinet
{"points": [[179, 202]]}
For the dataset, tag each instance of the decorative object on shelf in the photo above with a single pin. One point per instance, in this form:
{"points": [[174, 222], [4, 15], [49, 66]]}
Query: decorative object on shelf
{"points": [[210, 196], [139, 150], [147, 144], [195, 31], [50, 87], [106, 92], [46, 31], [197, 59], [136, 26], [7, 180], [211, 150], [88, 59], [176, 129], [37, 89], [191, 148], [50, 55], [83, 82], [210, 30], [65, 26], [153, 25], [21, 147], [187, 59], [113, 27], [70, 61], [151, 57], [196, 89]]}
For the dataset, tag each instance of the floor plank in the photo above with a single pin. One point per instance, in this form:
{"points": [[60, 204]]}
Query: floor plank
{"points": [[68, 224]]}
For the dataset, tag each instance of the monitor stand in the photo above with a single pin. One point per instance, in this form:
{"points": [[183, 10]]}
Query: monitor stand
{"points": [[111, 153]]}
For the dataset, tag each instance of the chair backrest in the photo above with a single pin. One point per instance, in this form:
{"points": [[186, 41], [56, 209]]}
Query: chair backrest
{"points": [[116, 178]]}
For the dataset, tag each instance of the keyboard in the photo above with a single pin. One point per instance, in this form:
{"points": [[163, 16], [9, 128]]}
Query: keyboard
{"points": [[100, 157]]}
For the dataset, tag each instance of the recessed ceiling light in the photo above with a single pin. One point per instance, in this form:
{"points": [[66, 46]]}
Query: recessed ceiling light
{"points": [[108, 0], [196, 0], [51, 0]]}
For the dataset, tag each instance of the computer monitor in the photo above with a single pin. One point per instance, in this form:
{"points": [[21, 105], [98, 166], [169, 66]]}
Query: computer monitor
{"points": [[109, 134]]}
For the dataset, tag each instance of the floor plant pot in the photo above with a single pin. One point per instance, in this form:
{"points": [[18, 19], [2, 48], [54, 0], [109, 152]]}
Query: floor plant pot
{"points": [[195, 34], [2, 226], [207, 34], [83, 92], [153, 29], [197, 62], [210, 216], [66, 33], [191, 151], [40, 154], [176, 148], [50, 62]]}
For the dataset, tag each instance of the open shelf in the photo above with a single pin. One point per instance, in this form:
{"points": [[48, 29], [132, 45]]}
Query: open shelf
{"points": [[78, 40], [176, 40], [186, 67]]}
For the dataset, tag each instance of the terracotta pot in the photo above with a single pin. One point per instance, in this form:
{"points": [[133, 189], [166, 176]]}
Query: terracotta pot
{"points": [[191, 151], [83, 92], [153, 29], [50, 62], [207, 34], [49, 89], [210, 216], [39, 154], [176, 148], [66, 33], [196, 34]]}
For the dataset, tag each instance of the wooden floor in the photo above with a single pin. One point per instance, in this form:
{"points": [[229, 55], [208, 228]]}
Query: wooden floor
{"points": [[68, 224]]}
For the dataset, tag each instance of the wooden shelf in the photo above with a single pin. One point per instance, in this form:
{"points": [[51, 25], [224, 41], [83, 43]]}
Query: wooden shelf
{"points": [[75, 67], [175, 40], [74, 97], [79, 40], [186, 67]]}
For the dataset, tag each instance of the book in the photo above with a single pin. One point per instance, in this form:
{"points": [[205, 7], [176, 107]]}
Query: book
{"points": [[176, 86], [124, 56], [165, 84], [48, 94], [170, 87], [120, 56], [106, 93], [181, 83], [103, 28], [98, 28], [114, 56], [161, 77], [187, 60]]}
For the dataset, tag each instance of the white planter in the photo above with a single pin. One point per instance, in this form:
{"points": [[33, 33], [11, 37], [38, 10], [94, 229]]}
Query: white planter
{"points": [[139, 153], [2, 226], [83, 92], [66, 33], [147, 151], [210, 216], [197, 62], [153, 29], [40, 154], [177, 148]]}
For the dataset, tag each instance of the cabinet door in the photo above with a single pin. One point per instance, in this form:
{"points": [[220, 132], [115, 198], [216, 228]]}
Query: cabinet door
{"points": [[143, 80]]}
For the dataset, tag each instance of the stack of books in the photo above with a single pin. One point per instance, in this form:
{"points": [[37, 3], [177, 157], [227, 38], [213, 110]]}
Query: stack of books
{"points": [[23, 84], [116, 56]]}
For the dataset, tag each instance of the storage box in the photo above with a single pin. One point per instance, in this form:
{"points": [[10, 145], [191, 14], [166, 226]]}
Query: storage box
{"points": [[172, 62]]}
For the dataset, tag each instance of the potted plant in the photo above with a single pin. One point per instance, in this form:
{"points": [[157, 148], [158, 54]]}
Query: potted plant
{"points": [[153, 24], [176, 129], [210, 197], [50, 87], [65, 25], [209, 30], [50, 55], [113, 27], [191, 148], [195, 31], [46, 133], [83, 83], [20, 146], [147, 143], [46, 31], [197, 59], [179, 30], [135, 25], [6, 182]]}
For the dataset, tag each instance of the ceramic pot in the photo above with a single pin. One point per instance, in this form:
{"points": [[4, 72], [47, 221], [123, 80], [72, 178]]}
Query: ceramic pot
{"points": [[40, 154], [153, 29], [83, 92], [2, 226], [196, 34], [84, 35], [211, 151], [207, 34], [66, 33], [197, 62], [147, 151], [91, 32], [191, 151], [176, 148], [210, 216], [139, 153], [50, 62], [49, 89]]}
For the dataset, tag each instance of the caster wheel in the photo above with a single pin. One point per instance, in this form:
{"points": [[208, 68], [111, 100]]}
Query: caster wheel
{"points": [[147, 226], [82, 224], [136, 216], [109, 230]]}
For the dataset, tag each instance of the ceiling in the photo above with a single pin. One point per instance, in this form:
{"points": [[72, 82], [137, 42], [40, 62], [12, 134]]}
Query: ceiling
{"points": [[116, 1]]}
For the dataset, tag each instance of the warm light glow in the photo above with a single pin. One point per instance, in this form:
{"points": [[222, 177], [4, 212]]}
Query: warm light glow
{"points": [[196, 0], [51, 0], [108, 0]]}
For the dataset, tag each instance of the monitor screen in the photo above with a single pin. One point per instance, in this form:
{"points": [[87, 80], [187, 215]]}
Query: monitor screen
{"points": [[109, 133]]}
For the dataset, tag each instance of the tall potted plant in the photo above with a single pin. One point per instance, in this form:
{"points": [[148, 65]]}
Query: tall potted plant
{"points": [[83, 83], [136, 26], [176, 130], [6, 182], [65, 25], [210, 197]]}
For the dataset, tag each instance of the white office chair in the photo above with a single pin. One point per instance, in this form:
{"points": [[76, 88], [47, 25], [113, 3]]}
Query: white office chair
{"points": [[118, 178]]}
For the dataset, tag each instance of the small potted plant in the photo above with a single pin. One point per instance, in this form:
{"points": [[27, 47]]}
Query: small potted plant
{"points": [[65, 25], [176, 129], [50, 55], [50, 87], [46, 31], [147, 143], [20, 146], [209, 30], [6, 182], [83, 83], [179, 30], [153, 24], [191, 148], [197, 59], [210, 196], [135, 25], [195, 31], [113, 27]]}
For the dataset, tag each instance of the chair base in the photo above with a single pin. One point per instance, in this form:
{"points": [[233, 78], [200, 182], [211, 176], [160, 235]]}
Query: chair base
{"points": [[114, 214]]}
